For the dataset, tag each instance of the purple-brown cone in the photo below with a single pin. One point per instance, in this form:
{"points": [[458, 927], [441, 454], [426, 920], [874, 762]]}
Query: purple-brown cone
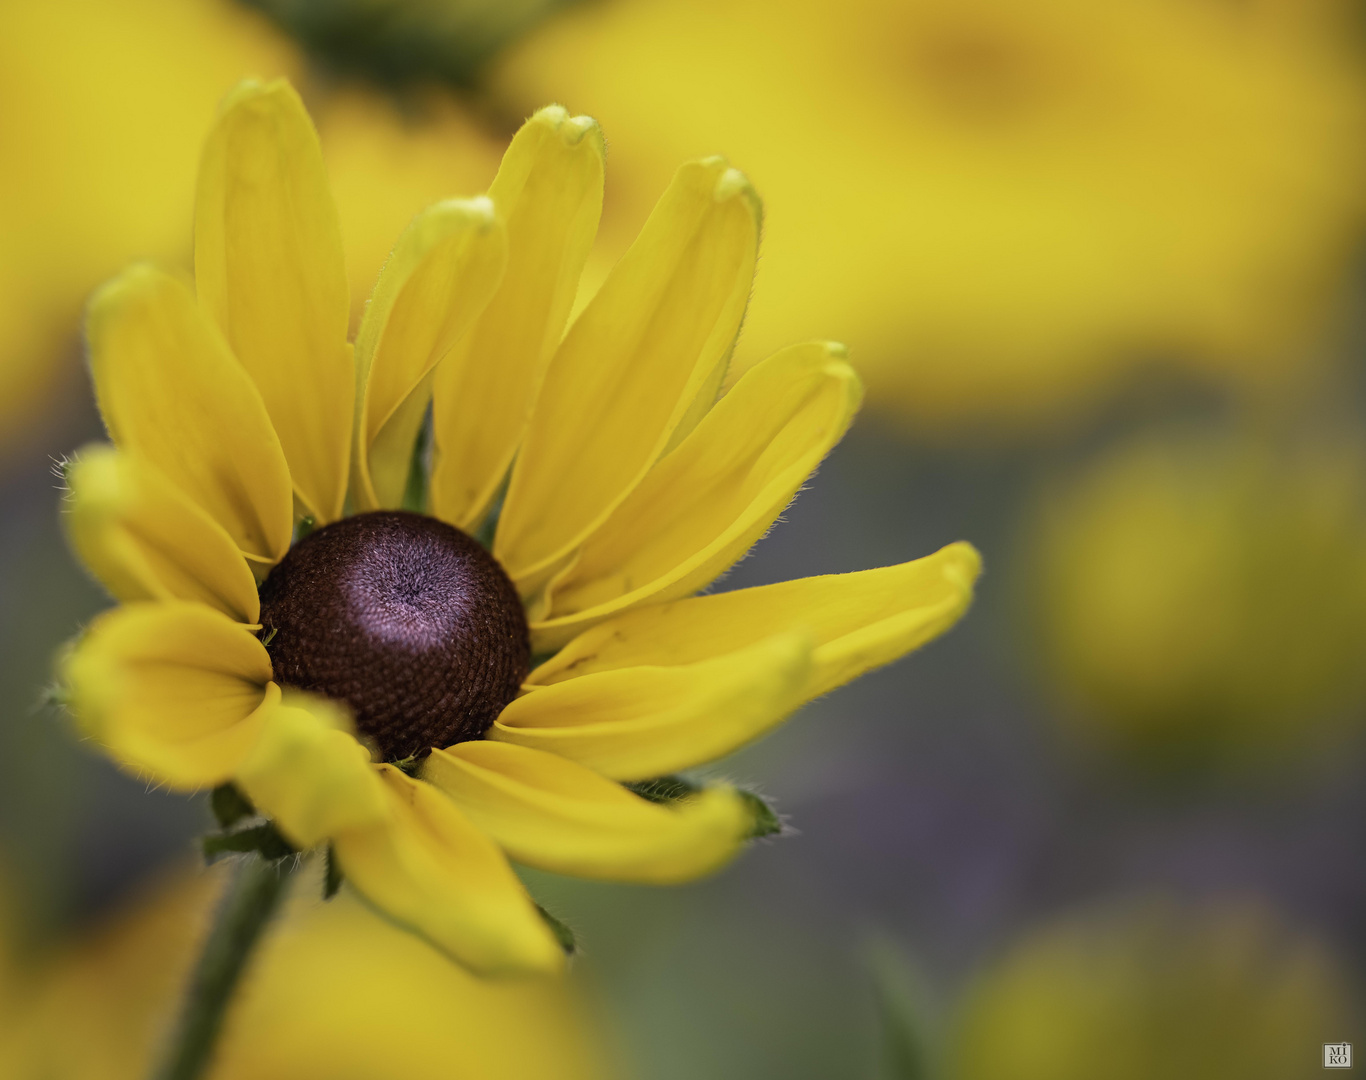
{"points": [[406, 619]]}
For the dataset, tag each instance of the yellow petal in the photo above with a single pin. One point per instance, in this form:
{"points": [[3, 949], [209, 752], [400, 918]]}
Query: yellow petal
{"points": [[549, 191], [550, 813], [269, 267], [175, 690], [145, 540], [710, 499], [443, 271], [857, 622], [643, 722], [171, 392], [309, 774], [640, 364], [427, 868]]}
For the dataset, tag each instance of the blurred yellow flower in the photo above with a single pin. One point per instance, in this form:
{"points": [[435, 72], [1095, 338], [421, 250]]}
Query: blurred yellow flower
{"points": [[387, 162], [1203, 595], [106, 105], [102, 110], [1155, 992], [334, 993], [999, 204]]}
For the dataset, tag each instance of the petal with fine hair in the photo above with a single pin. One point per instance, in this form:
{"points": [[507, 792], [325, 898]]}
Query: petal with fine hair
{"points": [[146, 540], [427, 868], [642, 722], [554, 814], [637, 369], [712, 497], [857, 622], [270, 271], [549, 192], [171, 392], [443, 270], [176, 690]]}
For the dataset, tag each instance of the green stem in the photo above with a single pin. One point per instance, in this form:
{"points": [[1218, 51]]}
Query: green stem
{"points": [[252, 898]]}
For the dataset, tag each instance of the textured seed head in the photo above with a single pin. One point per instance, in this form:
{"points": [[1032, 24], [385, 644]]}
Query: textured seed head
{"points": [[406, 619]]}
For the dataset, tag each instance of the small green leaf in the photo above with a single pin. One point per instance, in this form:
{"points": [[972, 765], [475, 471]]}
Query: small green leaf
{"points": [[270, 636], [563, 934], [229, 805], [332, 877], [262, 840]]}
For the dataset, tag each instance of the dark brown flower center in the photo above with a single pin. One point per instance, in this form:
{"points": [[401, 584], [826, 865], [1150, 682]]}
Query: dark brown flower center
{"points": [[404, 618]]}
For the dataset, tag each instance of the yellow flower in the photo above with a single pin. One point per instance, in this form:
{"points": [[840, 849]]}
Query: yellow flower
{"points": [[105, 103], [628, 487], [1220, 993], [1205, 595], [334, 992], [1005, 205]]}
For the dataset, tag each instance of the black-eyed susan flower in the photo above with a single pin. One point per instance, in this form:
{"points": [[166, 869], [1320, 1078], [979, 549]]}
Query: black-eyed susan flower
{"points": [[374, 678]]}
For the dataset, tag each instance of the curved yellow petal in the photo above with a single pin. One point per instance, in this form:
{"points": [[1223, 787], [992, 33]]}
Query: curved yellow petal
{"points": [[711, 498], [549, 191], [427, 868], [145, 540], [174, 689], [443, 270], [553, 814], [639, 366], [269, 267], [309, 774], [641, 722], [170, 391], [857, 622]]}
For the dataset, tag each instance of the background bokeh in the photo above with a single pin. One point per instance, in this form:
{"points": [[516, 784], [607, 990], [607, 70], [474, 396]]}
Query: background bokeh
{"points": [[1101, 268]]}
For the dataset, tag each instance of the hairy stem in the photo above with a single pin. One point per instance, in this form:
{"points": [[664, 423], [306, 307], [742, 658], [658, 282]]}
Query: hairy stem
{"points": [[251, 899]]}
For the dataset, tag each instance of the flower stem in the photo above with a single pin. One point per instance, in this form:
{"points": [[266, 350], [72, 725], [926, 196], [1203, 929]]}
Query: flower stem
{"points": [[251, 899]]}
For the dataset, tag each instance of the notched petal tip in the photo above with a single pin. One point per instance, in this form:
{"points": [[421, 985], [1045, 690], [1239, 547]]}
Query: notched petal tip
{"points": [[251, 91], [572, 129]]}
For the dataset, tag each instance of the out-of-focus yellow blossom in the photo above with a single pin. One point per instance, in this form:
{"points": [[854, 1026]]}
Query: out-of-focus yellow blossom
{"points": [[334, 993], [388, 162], [1002, 204], [1203, 595], [102, 111], [102, 114], [1155, 993]]}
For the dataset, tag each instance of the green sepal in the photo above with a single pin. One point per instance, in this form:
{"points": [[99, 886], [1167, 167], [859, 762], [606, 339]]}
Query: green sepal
{"points": [[229, 805], [264, 840], [766, 820], [667, 789], [332, 874], [563, 934]]}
